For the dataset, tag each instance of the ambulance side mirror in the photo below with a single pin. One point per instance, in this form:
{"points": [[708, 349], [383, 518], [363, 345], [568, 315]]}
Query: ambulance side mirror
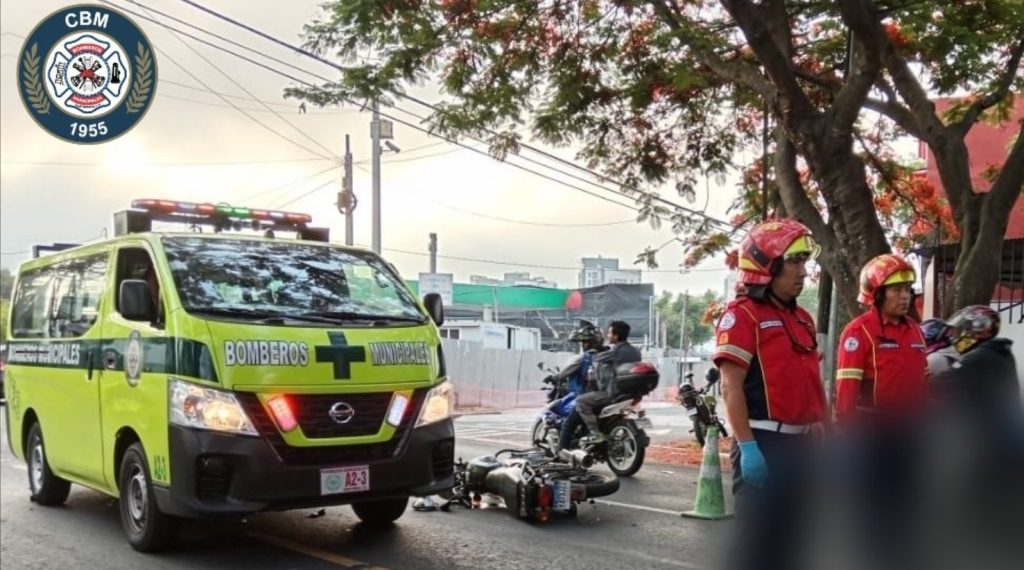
{"points": [[134, 301], [435, 307]]}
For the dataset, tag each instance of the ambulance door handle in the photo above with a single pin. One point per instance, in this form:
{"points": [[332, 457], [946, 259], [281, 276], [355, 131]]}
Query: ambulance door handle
{"points": [[110, 359], [88, 365]]}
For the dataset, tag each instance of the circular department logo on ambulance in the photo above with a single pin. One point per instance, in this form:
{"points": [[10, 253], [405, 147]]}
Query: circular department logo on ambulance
{"points": [[87, 74], [133, 359]]}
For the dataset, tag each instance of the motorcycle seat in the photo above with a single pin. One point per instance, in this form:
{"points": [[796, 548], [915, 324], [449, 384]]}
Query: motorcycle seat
{"points": [[623, 398]]}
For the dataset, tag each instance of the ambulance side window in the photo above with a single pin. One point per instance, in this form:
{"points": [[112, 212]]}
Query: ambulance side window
{"points": [[135, 263], [78, 286], [33, 299]]}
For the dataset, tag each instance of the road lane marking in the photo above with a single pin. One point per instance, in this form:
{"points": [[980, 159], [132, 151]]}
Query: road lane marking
{"points": [[324, 555], [637, 507]]}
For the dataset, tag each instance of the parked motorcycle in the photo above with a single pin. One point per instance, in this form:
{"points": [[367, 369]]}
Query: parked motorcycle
{"points": [[702, 408], [532, 483], [624, 421]]}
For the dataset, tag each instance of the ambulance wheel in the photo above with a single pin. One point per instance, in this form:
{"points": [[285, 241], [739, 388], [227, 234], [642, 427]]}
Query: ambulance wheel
{"points": [[380, 513], [46, 488], [146, 528]]}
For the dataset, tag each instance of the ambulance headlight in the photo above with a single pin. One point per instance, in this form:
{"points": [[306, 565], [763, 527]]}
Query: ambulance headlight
{"points": [[205, 408], [438, 405]]}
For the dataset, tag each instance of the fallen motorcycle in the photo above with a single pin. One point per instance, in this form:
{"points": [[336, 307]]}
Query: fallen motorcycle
{"points": [[532, 483]]}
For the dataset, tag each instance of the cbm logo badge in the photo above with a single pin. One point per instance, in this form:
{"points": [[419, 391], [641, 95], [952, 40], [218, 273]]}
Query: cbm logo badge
{"points": [[87, 74]]}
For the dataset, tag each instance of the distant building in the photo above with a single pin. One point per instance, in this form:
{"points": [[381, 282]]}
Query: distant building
{"points": [[513, 279], [599, 271]]}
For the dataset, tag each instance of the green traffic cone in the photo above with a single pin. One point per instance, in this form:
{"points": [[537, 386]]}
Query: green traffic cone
{"points": [[710, 501]]}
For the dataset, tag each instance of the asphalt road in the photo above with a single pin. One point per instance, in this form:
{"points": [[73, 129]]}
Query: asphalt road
{"points": [[639, 527]]}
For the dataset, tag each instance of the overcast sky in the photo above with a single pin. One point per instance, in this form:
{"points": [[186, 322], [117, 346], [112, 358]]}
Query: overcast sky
{"points": [[193, 146]]}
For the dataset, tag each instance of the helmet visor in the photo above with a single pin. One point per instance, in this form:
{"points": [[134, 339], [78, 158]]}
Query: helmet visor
{"points": [[906, 276], [803, 247]]}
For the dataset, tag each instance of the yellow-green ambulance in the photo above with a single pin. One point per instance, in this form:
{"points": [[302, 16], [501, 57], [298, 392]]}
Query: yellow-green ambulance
{"points": [[198, 373]]}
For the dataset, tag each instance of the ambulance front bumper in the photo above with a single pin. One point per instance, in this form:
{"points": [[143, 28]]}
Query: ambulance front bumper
{"points": [[216, 473]]}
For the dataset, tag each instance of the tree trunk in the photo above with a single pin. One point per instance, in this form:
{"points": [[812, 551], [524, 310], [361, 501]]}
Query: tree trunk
{"points": [[824, 301]]}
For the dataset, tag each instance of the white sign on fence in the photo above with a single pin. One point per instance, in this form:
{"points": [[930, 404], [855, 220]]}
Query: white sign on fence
{"points": [[440, 283]]}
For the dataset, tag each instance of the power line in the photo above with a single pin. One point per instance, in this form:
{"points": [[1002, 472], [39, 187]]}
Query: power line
{"points": [[529, 223], [307, 53], [182, 164], [536, 266], [201, 82], [416, 127], [230, 96], [247, 92], [287, 184], [303, 195]]}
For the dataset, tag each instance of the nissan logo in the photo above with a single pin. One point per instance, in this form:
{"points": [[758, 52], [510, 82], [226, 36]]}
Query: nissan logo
{"points": [[341, 413]]}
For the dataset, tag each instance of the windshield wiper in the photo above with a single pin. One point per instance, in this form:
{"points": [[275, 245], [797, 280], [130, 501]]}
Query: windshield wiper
{"points": [[353, 316], [255, 314]]}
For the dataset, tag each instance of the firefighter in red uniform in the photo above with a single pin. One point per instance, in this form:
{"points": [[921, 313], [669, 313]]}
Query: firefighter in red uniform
{"points": [[881, 394], [769, 362]]}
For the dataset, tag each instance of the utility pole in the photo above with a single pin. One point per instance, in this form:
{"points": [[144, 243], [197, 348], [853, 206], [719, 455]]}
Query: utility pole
{"points": [[375, 140], [682, 327], [433, 253], [347, 199]]}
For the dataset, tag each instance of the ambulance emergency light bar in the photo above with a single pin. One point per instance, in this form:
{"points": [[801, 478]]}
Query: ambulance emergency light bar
{"points": [[221, 216]]}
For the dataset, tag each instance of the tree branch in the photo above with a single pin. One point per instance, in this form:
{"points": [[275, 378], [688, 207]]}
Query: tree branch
{"points": [[863, 22], [1002, 90], [898, 113], [861, 75], [1009, 186], [777, 65], [792, 194], [736, 73]]}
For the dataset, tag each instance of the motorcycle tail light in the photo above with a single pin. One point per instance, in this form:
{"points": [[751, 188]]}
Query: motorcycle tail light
{"points": [[544, 501]]}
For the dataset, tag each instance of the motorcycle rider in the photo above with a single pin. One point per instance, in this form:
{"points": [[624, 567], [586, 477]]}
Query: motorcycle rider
{"points": [[983, 400], [941, 353], [881, 396], [621, 352], [768, 358], [575, 373]]}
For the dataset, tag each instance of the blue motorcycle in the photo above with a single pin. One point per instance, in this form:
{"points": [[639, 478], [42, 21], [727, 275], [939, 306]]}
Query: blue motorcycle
{"points": [[623, 421]]}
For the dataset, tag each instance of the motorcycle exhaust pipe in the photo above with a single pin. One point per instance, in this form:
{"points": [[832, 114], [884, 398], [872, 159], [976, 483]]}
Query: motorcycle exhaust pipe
{"points": [[576, 457]]}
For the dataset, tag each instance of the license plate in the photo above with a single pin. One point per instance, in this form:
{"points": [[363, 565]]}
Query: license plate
{"points": [[563, 495], [644, 423], [344, 480]]}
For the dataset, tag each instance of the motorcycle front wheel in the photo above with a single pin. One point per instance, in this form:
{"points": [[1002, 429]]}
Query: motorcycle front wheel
{"points": [[625, 453], [543, 434]]}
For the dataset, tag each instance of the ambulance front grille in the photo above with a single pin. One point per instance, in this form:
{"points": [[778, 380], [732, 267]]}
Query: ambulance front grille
{"points": [[331, 454], [313, 412]]}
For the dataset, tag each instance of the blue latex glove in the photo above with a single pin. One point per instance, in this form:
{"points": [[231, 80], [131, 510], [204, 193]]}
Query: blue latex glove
{"points": [[752, 464]]}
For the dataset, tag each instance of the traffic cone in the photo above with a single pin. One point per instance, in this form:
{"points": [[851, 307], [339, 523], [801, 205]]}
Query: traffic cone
{"points": [[710, 501]]}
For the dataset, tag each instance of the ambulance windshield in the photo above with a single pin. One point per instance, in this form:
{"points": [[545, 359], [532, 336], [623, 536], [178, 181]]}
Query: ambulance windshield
{"points": [[265, 279]]}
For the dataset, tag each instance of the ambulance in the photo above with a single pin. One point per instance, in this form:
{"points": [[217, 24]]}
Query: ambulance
{"points": [[202, 373]]}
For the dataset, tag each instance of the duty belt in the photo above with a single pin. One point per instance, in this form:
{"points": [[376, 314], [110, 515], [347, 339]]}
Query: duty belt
{"points": [[779, 427]]}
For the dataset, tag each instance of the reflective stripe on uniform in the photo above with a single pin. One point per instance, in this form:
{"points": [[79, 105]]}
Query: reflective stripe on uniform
{"points": [[850, 374], [737, 352]]}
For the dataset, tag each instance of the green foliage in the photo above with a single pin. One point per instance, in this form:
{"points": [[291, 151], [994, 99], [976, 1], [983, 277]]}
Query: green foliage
{"points": [[670, 307]]}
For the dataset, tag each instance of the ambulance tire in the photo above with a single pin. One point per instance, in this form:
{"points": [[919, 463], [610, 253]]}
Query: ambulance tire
{"points": [[380, 513], [146, 528], [46, 488]]}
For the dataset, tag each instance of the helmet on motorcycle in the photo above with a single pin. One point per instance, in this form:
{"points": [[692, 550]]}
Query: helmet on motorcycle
{"points": [[879, 273], [936, 334], [972, 326], [588, 335], [477, 470], [768, 244]]}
